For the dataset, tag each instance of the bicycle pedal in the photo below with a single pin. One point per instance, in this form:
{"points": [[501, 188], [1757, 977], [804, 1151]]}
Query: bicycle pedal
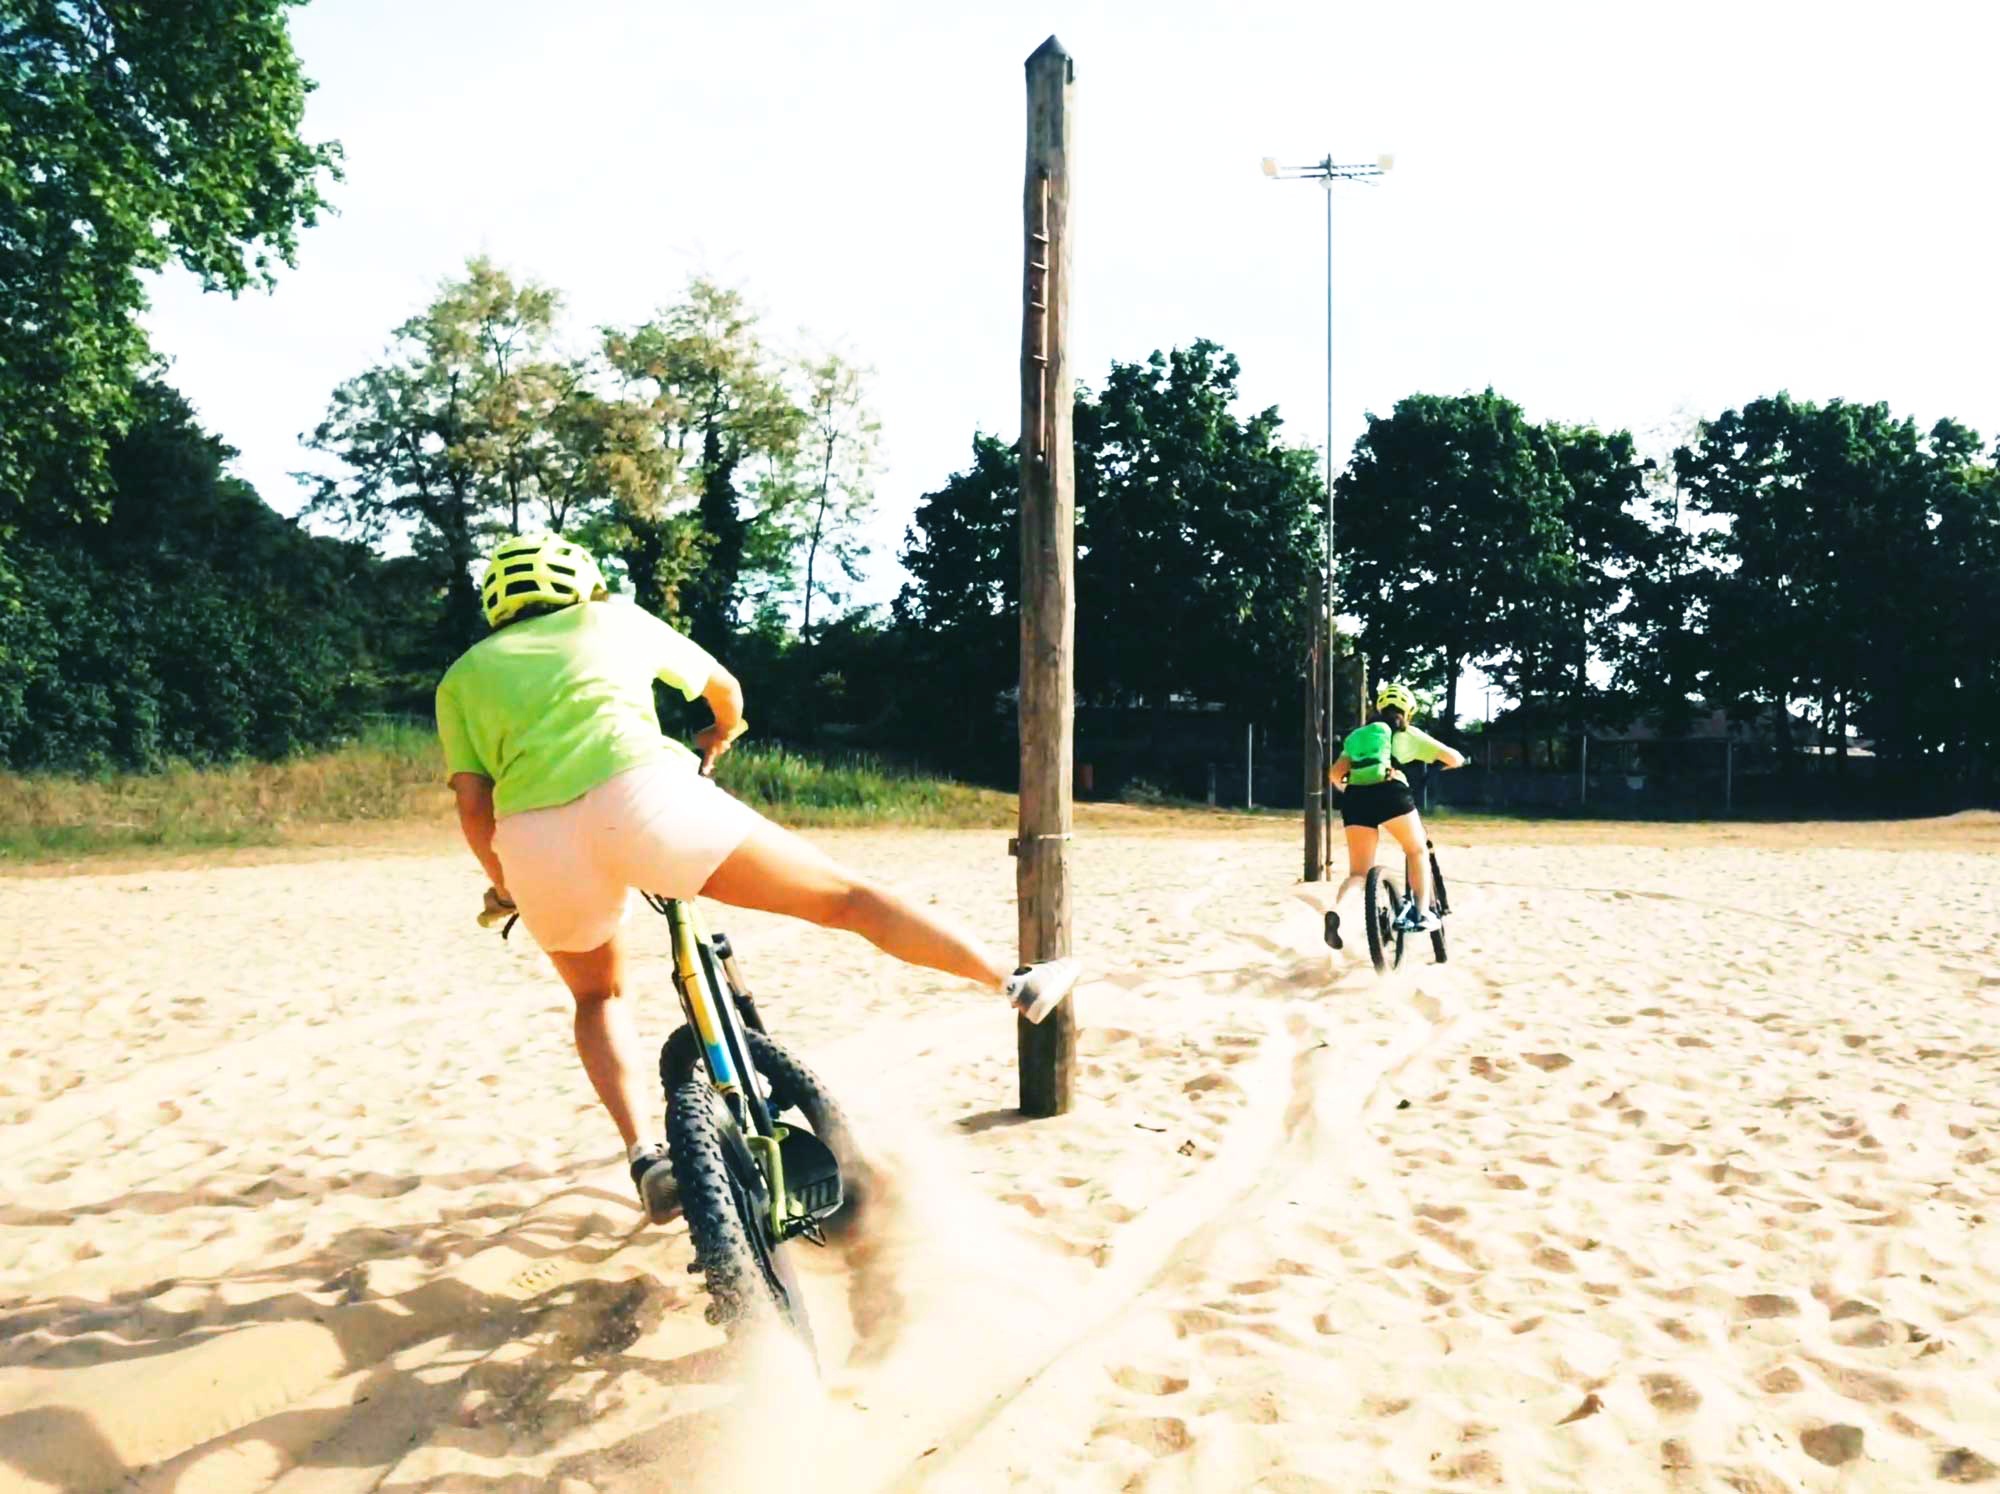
{"points": [[812, 1172]]}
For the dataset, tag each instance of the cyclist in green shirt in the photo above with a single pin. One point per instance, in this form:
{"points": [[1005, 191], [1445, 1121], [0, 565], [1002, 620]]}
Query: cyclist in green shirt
{"points": [[570, 797], [1376, 797]]}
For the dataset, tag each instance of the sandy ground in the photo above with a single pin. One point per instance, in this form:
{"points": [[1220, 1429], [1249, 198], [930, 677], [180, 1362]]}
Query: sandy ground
{"points": [[1683, 1174]]}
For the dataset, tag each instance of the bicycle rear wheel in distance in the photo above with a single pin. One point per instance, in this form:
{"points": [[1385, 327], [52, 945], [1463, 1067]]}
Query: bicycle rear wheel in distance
{"points": [[1380, 903], [1441, 905]]}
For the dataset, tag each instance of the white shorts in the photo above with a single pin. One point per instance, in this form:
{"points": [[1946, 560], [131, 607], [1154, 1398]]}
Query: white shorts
{"points": [[662, 828]]}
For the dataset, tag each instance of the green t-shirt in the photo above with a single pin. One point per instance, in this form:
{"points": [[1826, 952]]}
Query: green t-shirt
{"points": [[1370, 750], [552, 706]]}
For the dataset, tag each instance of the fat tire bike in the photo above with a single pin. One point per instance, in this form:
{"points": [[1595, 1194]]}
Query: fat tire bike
{"points": [[758, 1147], [1383, 900]]}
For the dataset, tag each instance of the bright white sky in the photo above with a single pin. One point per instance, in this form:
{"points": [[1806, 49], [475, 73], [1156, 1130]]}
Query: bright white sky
{"points": [[1629, 213]]}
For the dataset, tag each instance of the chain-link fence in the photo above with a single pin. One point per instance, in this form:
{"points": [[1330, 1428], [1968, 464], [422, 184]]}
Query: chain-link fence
{"points": [[1696, 777]]}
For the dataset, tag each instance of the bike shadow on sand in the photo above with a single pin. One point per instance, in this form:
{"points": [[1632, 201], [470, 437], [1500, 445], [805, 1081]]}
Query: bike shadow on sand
{"points": [[446, 1364]]}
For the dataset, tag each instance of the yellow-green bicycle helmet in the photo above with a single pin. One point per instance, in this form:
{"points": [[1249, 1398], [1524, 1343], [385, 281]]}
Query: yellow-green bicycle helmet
{"points": [[531, 570], [1393, 694]]}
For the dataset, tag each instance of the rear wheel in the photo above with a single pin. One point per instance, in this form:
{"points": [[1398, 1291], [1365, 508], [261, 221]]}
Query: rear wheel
{"points": [[1441, 905], [1380, 903]]}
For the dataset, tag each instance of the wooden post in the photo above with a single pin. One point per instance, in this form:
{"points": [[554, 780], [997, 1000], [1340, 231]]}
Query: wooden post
{"points": [[1249, 766], [1583, 772], [1313, 744], [1319, 683], [1048, 568]]}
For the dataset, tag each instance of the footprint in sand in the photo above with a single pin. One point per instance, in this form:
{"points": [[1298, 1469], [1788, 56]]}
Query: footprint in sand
{"points": [[1203, 1083], [1784, 1380], [1158, 1435], [1767, 1305], [1670, 1395], [1148, 1382]]}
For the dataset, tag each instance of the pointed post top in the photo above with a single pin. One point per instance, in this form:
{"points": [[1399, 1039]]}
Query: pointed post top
{"points": [[1052, 50]]}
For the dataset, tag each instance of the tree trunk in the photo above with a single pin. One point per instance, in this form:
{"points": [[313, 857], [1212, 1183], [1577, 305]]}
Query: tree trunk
{"points": [[711, 609], [812, 550], [645, 561], [1580, 705], [1781, 731], [464, 615]]}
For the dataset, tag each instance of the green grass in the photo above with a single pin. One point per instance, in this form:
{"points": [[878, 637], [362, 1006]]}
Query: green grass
{"points": [[802, 788], [393, 774]]}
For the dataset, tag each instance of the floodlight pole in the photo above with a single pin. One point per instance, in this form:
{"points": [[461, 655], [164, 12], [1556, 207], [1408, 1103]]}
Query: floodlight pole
{"points": [[1326, 171]]}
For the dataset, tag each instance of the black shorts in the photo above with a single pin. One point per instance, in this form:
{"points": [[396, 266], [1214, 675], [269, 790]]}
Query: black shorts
{"points": [[1368, 806]]}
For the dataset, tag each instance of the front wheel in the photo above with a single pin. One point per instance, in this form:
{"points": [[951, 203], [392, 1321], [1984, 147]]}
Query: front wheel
{"points": [[725, 1195], [727, 1207], [1380, 905]]}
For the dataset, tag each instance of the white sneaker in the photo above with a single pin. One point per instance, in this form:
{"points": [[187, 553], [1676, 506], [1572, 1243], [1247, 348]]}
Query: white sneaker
{"points": [[1036, 990], [653, 1175], [1417, 920]]}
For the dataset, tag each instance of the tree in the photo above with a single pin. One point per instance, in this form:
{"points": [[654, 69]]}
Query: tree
{"points": [[1450, 528], [450, 431], [840, 441], [1659, 653], [1186, 511], [1965, 584], [1605, 509], [962, 603], [729, 428], [1832, 528], [132, 135], [195, 623]]}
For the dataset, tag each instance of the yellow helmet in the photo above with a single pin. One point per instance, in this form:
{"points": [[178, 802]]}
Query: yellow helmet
{"points": [[1393, 694], [530, 570]]}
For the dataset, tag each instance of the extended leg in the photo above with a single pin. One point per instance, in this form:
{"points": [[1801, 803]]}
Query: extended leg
{"points": [[778, 872]]}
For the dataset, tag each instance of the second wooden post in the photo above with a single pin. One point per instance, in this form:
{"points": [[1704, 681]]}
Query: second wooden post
{"points": [[1048, 571]]}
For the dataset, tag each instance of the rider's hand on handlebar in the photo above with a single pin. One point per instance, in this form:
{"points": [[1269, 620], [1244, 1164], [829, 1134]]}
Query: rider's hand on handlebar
{"points": [[715, 740], [498, 909]]}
